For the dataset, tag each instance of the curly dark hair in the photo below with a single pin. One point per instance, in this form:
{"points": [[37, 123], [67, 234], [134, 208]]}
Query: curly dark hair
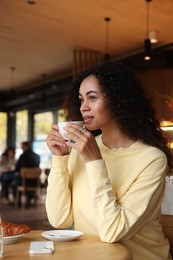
{"points": [[127, 101]]}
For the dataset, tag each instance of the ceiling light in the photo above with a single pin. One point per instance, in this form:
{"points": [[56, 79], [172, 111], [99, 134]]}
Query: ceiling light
{"points": [[107, 55], [147, 49], [152, 34], [147, 43]]}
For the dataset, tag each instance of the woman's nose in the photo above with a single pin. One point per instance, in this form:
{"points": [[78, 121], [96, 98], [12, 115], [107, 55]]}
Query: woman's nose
{"points": [[84, 106]]}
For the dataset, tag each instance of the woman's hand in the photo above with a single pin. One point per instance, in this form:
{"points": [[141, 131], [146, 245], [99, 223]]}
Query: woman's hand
{"points": [[56, 142], [83, 141]]}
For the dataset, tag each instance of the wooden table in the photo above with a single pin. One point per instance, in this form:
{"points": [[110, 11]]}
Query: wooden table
{"points": [[86, 247]]}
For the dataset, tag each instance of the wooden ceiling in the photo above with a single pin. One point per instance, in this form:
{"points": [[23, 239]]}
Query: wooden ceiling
{"points": [[38, 39]]}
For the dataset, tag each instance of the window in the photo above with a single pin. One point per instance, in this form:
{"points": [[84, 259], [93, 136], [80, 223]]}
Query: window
{"points": [[21, 129], [62, 115], [42, 127], [3, 131]]}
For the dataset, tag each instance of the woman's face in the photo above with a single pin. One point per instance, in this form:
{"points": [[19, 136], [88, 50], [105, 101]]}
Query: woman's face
{"points": [[93, 104], [11, 153]]}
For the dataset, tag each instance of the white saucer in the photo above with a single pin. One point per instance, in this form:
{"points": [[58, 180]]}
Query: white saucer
{"points": [[62, 235], [11, 239]]}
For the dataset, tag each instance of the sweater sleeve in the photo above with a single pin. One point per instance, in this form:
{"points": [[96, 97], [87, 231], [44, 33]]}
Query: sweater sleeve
{"points": [[121, 219], [58, 198]]}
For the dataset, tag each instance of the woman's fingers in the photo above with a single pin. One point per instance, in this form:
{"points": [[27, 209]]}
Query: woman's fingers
{"points": [[74, 132], [56, 143]]}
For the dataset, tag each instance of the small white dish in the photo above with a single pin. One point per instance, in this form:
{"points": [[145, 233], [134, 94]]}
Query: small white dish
{"points": [[11, 239], [62, 235]]}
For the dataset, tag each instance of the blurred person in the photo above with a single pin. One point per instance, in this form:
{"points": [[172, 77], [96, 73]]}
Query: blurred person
{"points": [[28, 159], [109, 178], [7, 167]]}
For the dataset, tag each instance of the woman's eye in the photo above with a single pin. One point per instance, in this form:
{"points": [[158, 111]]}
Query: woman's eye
{"points": [[92, 98]]}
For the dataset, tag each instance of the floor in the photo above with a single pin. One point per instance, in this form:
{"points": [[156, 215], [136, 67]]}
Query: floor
{"points": [[35, 217]]}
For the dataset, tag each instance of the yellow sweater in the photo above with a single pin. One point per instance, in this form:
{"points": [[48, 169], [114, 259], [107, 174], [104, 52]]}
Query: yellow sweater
{"points": [[117, 198]]}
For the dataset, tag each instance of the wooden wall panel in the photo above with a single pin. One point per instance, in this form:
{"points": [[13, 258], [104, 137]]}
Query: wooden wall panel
{"points": [[83, 59], [158, 83]]}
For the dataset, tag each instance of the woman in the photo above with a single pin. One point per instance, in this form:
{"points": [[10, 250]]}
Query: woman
{"points": [[110, 185], [7, 166]]}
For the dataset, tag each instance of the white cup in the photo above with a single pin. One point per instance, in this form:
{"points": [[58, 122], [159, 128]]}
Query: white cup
{"points": [[1, 241], [61, 126]]}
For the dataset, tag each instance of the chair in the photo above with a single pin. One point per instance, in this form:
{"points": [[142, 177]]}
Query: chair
{"points": [[46, 171], [29, 175], [44, 184], [167, 224]]}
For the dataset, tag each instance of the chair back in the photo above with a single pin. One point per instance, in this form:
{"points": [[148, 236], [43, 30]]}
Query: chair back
{"points": [[30, 173], [167, 224], [47, 171], [30, 183]]}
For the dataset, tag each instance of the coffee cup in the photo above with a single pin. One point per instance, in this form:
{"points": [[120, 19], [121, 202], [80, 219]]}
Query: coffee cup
{"points": [[61, 126]]}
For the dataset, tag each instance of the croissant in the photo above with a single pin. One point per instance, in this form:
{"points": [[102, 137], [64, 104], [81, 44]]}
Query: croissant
{"points": [[11, 229]]}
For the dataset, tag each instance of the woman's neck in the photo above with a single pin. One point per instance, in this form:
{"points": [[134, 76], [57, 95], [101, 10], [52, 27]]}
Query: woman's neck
{"points": [[114, 138]]}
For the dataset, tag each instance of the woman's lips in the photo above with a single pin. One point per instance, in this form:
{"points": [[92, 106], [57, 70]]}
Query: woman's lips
{"points": [[87, 119]]}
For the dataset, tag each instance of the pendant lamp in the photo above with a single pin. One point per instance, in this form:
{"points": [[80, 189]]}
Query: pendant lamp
{"points": [[147, 42], [107, 55]]}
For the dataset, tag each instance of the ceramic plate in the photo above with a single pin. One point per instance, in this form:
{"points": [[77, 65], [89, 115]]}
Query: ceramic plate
{"points": [[11, 239], [62, 235]]}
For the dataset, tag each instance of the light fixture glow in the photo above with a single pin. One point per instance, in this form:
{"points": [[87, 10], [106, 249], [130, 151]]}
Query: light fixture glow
{"points": [[167, 128], [147, 43], [152, 34]]}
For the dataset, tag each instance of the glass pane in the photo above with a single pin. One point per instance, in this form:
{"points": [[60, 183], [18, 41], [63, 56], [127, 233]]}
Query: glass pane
{"points": [[21, 129], [42, 127], [3, 131], [62, 115]]}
